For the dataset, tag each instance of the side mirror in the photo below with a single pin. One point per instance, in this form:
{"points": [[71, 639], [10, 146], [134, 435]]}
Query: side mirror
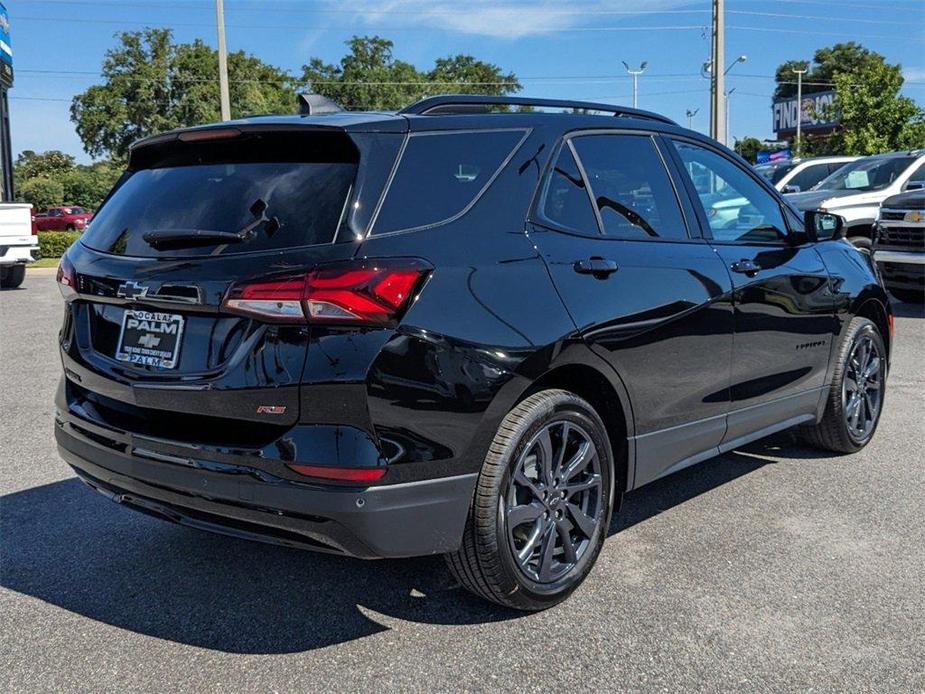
{"points": [[789, 188], [823, 226]]}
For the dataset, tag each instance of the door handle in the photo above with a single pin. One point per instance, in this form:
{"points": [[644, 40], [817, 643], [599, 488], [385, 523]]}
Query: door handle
{"points": [[747, 267], [601, 268]]}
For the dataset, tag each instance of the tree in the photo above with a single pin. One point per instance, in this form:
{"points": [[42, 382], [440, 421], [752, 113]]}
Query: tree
{"points": [[151, 84], [874, 116], [30, 164], [748, 148], [42, 192], [370, 78], [827, 62], [87, 186]]}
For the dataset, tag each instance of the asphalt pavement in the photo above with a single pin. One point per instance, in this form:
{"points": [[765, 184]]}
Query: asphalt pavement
{"points": [[773, 568]]}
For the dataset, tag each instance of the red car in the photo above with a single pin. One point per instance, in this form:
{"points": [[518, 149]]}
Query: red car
{"points": [[62, 219]]}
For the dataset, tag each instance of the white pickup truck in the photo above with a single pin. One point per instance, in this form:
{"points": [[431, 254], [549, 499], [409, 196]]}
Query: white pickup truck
{"points": [[18, 243]]}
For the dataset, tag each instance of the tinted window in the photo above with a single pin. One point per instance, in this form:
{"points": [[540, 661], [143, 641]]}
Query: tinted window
{"points": [[440, 174], [866, 175], [630, 186], [566, 201], [809, 176], [736, 206], [774, 172], [917, 179], [307, 199]]}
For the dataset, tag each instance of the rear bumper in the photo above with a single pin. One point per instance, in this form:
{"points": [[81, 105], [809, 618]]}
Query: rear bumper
{"points": [[399, 520], [17, 255]]}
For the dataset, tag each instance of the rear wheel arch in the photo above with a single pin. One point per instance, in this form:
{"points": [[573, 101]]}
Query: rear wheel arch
{"points": [[874, 310], [609, 402]]}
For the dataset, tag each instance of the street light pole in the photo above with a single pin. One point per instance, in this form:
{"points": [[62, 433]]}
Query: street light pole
{"points": [[726, 100], [222, 61], [690, 118], [635, 74], [799, 74]]}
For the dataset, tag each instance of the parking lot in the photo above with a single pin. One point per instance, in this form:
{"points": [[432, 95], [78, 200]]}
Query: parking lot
{"points": [[771, 568]]}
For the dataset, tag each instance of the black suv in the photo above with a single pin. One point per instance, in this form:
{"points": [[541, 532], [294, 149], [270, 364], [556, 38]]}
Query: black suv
{"points": [[460, 328]]}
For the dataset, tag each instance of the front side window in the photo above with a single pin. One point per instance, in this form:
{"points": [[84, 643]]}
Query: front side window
{"points": [[917, 179], [565, 201], [737, 207], [440, 174], [630, 186]]}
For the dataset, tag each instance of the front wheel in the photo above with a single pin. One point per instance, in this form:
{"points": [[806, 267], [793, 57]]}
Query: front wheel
{"points": [[542, 504], [855, 397]]}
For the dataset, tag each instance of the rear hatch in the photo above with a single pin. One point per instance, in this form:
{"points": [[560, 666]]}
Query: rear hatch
{"points": [[146, 333]]}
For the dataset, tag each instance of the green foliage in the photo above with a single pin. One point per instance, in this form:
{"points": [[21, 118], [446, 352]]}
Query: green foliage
{"points": [[52, 244], [52, 178], [747, 148], [150, 84], [369, 78], [41, 191], [874, 116]]}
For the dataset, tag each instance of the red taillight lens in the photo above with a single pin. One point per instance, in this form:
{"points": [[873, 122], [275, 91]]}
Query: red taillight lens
{"points": [[343, 474], [67, 279], [368, 292]]}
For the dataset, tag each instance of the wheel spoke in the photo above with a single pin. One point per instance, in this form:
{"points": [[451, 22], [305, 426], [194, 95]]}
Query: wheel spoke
{"points": [[523, 556], [569, 552], [873, 368], [863, 356], [563, 444], [583, 486], [546, 553], [520, 477], [851, 382], [527, 513], [579, 461], [854, 408], [585, 523], [871, 408], [546, 455]]}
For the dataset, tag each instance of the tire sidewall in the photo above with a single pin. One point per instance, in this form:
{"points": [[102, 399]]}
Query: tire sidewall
{"points": [[564, 407], [864, 329]]}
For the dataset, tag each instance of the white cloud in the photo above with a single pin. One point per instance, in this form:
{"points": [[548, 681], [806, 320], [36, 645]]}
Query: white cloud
{"points": [[499, 20], [914, 74]]}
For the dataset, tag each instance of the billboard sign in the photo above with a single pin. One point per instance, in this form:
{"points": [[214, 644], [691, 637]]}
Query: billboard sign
{"points": [[815, 114], [6, 51]]}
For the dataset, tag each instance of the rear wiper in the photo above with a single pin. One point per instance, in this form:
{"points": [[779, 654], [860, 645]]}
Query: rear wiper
{"points": [[208, 237]]}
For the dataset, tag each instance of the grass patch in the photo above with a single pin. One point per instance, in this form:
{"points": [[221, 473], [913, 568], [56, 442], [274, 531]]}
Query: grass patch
{"points": [[45, 262]]}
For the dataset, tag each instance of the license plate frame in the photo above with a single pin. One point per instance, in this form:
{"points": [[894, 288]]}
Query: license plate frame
{"points": [[150, 338]]}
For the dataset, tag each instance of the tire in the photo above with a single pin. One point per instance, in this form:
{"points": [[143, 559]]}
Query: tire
{"points": [[836, 432], [70, 227], [512, 485], [12, 276], [909, 296], [862, 242]]}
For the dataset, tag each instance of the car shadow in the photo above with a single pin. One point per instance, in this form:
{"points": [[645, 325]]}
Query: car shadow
{"points": [[69, 547]]}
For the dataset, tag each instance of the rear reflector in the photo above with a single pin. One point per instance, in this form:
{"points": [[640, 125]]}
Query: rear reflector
{"points": [[370, 292], [67, 279], [345, 474]]}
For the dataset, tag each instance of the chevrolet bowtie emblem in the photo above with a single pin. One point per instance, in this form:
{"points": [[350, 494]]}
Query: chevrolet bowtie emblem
{"points": [[131, 290]]}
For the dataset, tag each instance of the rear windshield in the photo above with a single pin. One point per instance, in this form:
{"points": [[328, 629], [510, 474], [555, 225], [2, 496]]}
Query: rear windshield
{"points": [[284, 204], [774, 172], [866, 175]]}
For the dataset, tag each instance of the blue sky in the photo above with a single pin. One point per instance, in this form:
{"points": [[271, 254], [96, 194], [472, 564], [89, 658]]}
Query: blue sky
{"points": [[557, 49]]}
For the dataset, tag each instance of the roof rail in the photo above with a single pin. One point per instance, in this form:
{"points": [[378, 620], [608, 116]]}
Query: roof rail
{"points": [[475, 103]]}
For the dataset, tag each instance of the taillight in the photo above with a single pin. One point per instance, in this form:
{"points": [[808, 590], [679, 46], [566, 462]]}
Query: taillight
{"points": [[343, 474], [374, 292], [67, 279], [35, 229]]}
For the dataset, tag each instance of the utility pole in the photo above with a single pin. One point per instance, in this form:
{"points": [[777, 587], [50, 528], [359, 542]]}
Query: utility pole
{"points": [[635, 74], [690, 118], [222, 60], [717, 76], [726, 100], [799, 74]]}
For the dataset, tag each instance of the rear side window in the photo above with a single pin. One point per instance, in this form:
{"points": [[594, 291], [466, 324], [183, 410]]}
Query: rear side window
{"points": [[565, 201], [441, 174], [809, 176], [303, 190], [631, 187]]}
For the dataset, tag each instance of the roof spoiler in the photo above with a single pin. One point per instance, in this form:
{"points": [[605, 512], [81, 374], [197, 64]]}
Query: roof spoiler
{"points": [[315, 104]]}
